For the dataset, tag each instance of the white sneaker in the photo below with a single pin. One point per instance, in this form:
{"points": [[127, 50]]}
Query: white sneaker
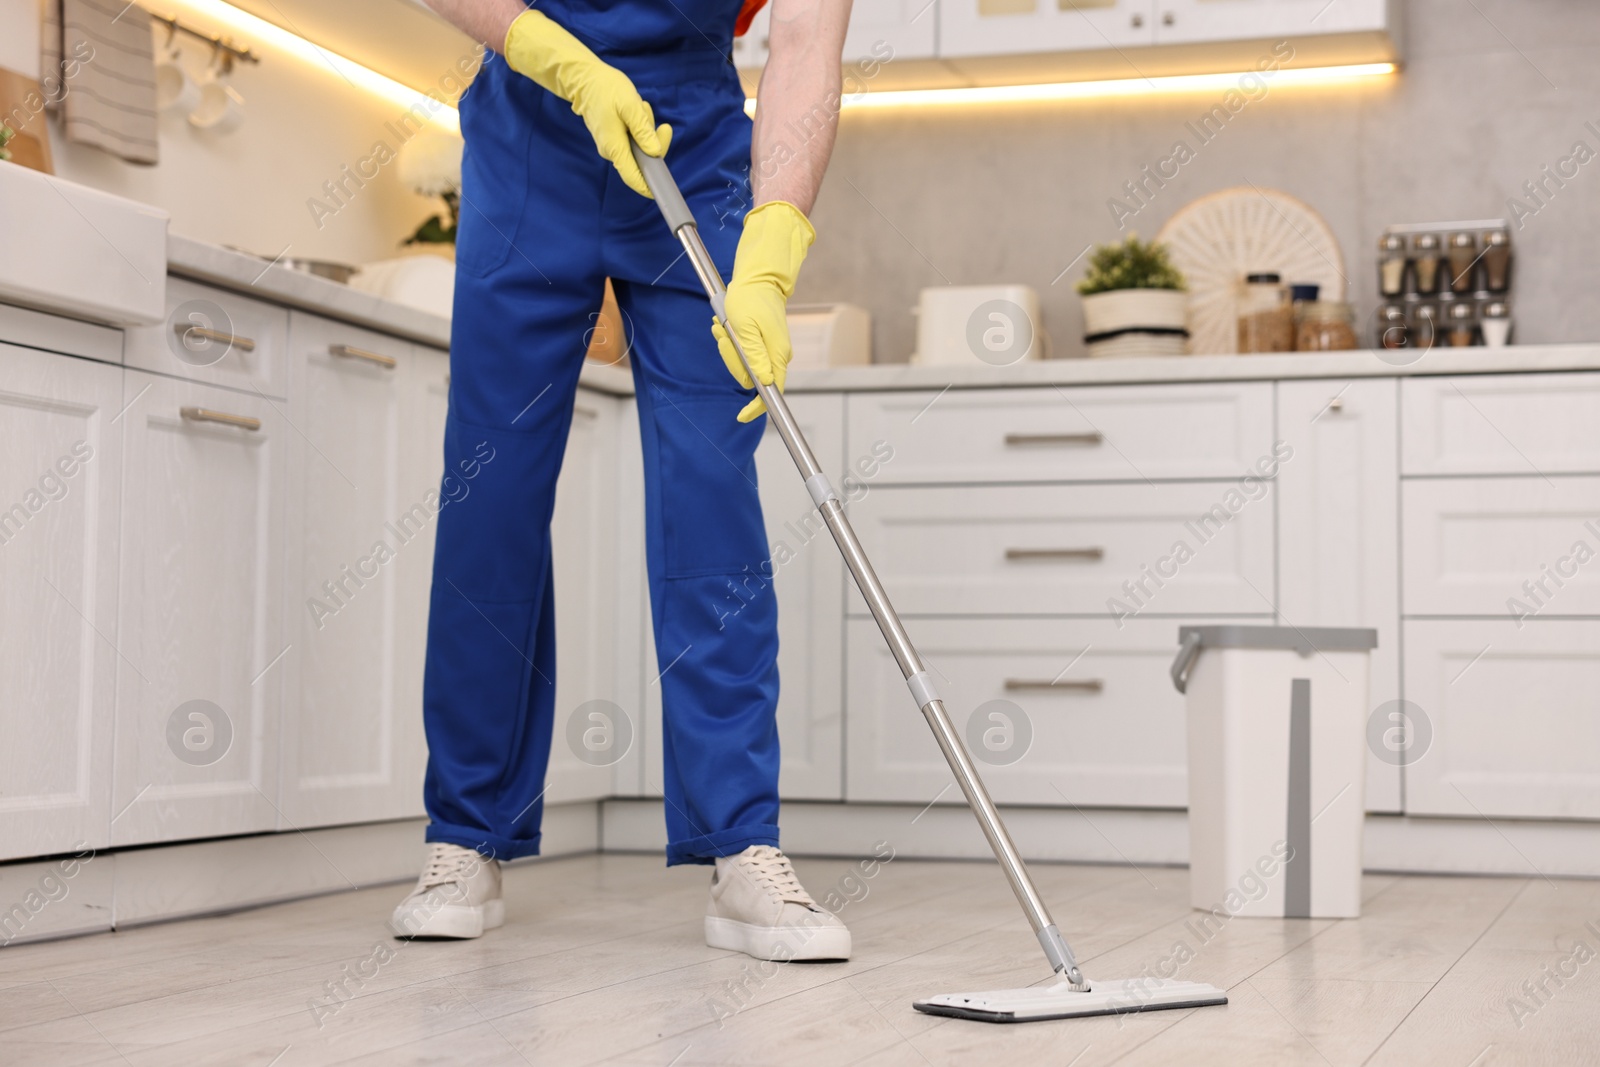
{"points": [[457, 896], [758, 907]]}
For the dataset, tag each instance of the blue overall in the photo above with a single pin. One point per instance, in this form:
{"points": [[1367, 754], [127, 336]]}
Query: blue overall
{"points": [[544, 221]]}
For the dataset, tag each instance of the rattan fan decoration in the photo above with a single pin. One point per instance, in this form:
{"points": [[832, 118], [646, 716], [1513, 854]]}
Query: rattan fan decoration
{"points": [[1220, 238]]}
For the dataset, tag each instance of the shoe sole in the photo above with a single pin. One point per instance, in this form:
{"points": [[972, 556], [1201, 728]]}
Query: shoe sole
{"points": [[455, 922], [779, 943]]}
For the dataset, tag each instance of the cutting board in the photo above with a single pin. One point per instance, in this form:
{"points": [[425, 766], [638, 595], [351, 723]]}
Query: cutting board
{"points": [[22, 99]]}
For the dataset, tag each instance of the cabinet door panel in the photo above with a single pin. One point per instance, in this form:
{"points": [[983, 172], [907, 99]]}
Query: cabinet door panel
{"points": [[1502, 546], [348, 525], [254, 360], [60, 498], [1515, 718], [1090, 715], [1338, 560], [1001, 27], [808, 581], [200, 676], [1195, 21]]}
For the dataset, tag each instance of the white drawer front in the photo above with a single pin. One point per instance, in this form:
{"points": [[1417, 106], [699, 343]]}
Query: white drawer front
{"points": [[1110, 731], [1070, 550], [1500, 424], [254, 361], [1051, 434], [1502, 546], [1515, 716]]}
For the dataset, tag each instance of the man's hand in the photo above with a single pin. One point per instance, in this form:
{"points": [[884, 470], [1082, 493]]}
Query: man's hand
{"points": [[771, 249], [599, 93]]}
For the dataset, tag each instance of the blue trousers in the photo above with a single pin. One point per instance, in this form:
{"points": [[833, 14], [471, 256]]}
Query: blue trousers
{"points": [[544, 221]]}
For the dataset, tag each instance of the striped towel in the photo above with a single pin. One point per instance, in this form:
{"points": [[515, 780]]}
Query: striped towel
{"points": [[99, 52]]}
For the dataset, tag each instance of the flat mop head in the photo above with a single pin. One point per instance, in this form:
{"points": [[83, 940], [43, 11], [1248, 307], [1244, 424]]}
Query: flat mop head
{"points": [[1060, 1001]]}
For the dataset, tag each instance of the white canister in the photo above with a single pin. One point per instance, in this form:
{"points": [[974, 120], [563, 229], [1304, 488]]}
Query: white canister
{"points": [[978, 325]]}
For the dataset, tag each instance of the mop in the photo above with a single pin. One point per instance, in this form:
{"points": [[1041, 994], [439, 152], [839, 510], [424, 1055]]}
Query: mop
{"points": [[1070, 995]]}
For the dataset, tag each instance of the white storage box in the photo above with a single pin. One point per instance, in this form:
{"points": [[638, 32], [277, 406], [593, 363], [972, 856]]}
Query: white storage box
{"points": [[829, 335], [1277, 768], [974, 325]]}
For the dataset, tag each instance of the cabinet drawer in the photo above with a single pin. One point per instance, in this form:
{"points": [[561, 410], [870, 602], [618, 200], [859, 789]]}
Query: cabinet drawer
{"points": [[1109, 731], [1049, 434], [1502, 546], [1070, 549], [1500, 424], [1515, 716], [244, 346]]}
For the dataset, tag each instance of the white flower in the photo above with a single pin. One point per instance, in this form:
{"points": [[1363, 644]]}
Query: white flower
{"points": [[430, 163]]}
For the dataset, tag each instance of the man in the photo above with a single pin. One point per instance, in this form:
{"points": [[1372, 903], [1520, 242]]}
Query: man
{"points": [[552, 205]]}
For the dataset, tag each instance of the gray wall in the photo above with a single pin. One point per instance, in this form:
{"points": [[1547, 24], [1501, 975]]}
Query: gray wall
{"points": [[1490, 92]]}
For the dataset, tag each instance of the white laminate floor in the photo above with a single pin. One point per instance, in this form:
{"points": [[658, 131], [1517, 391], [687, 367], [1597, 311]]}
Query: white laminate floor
{"points": [[601, 961]]}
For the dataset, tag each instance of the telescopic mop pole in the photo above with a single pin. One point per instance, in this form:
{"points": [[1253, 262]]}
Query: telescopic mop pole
{"points": [[676, 212]]}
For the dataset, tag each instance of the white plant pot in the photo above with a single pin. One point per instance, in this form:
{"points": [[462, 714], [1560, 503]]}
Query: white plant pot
{"points": [[1136, 322], [1132, 309]]}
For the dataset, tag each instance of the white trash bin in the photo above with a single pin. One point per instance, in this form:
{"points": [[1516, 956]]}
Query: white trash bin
{"points": [[1277, 768]]}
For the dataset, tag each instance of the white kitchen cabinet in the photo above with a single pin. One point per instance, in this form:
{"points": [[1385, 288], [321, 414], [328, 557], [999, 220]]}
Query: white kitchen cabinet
{"points": [[1056, 712], [583, 533], [884, 32], [808, 580], [1529, 424], [60, 501], [351, 748], [1001, 27], [1514, 715], [1505, 547], [1114, 549], [201, 634], [881, 34], [1338, 561], [217, 336], [1102, 433], [1197, 21]]}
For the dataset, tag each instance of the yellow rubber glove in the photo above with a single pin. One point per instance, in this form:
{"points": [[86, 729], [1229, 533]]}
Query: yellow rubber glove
{"points": [[599, 93], [774, 244]]}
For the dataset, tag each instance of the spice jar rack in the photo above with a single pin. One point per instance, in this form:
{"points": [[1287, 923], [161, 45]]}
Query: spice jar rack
{"points": [[1438, 282]]}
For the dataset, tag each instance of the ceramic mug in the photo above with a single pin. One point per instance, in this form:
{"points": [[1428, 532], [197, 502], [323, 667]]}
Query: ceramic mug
{"points": [[176, 91], [221, 108]]}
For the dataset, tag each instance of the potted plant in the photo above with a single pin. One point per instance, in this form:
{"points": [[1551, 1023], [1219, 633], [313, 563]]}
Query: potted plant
{"points": [[430, 166], [1134, 301], [6, 133]]}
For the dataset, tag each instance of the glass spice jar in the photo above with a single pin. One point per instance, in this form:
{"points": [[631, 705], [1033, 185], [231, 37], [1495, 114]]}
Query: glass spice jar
{"points": [[1497, 261], [1424, 325], [1463, 262], [1324, 326], [1496, 325], [1392, 331], [1266, 320], [1463, 330], [1391, 264], [1425, 256]]}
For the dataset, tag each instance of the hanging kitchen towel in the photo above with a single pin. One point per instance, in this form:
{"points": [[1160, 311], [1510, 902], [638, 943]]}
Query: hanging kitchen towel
{"points": [[96, 58]]}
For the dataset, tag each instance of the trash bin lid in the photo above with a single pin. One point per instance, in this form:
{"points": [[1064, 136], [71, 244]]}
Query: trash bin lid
{"points": [[1304, 640], [1295, 638]]}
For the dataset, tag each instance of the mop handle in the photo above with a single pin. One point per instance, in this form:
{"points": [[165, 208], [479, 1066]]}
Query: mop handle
{"points": [[681, 220]]}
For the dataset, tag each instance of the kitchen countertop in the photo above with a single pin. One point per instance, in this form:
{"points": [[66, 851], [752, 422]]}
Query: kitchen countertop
{"points": [[248, 274], [253, 276]]}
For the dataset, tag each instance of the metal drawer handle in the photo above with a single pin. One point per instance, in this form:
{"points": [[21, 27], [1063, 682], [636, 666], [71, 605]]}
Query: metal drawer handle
{"points": [[352, 352], [1093, 438], [1083, 685], [1091, 554], [187, 330], [243, 422]]}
